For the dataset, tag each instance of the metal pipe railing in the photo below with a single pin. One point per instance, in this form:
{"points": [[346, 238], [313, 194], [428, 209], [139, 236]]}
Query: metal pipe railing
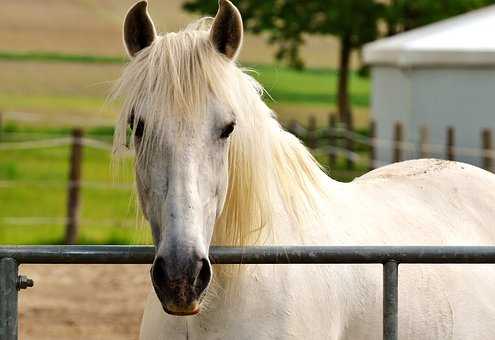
{"points": [[390, 256], [8, 298]]}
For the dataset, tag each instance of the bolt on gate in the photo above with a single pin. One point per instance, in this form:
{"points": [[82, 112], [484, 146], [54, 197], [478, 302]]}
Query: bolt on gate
{"points": [[389, 256]]}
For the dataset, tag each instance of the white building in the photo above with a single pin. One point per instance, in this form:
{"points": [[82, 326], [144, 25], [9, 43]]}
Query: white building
{"points": [[436, 76]]}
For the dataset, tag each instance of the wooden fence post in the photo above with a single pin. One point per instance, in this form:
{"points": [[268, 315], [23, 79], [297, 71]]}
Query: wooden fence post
{"points": [[486, 138], [450, 143], [332, 138], [372, 144], [311, 136], [423, 142], [292, 127], [349, 142], [72, 225], [398, 138]]}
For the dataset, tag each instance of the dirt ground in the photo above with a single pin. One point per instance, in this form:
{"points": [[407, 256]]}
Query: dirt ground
{"points": [[72, 302]]}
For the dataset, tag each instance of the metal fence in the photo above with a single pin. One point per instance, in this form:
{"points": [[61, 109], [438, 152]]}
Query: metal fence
{"points": [[389, 256]]}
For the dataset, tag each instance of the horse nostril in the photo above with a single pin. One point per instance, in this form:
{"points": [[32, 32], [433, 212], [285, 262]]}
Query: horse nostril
{"points": [[158, 271], [169, 278], [204, 275]]}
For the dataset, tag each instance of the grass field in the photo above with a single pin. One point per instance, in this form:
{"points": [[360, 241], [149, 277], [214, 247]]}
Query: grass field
{"points": [[68, 90], [33, 189]]}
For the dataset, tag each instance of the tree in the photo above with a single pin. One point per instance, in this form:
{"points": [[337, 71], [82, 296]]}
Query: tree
{"points": [[354, 23]]}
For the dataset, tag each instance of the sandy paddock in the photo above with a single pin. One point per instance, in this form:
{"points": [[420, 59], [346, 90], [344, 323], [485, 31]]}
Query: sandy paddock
{"points": [[72, 302]]}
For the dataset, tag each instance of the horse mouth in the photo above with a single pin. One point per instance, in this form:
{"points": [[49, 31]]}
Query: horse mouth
{"points": [[179, 307], [178, 311]]}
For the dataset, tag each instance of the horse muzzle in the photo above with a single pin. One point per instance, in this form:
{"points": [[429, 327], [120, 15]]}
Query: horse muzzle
{"points": [[180, 283]]}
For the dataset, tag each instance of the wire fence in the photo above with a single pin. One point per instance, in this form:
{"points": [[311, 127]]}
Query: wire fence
{"points": [[17, 142], [30, 221], [55, 142], [336, 140]]}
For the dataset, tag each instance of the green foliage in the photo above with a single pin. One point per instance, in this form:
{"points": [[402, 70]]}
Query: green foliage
{"points": [[353, 21]]}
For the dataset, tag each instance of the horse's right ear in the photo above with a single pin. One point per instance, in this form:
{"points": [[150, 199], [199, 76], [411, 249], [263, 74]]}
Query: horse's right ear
{"points": [[139, 31], [226, 31]]}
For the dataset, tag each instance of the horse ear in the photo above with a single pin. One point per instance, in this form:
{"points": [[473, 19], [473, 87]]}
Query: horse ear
{"points": [[139, 31], [226, 32]]}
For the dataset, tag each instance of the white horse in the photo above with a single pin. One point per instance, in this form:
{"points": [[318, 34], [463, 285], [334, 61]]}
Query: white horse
{"points": [[213, 166]]}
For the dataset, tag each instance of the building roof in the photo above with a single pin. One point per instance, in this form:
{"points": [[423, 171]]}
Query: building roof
{"points": [[466, 39]]}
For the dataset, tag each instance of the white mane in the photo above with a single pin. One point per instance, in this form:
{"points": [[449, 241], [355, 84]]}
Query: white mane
{"points": [[172, 79]]}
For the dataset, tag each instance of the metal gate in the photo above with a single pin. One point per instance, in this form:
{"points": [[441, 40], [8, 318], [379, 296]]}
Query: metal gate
{"points": [[390, 256]]}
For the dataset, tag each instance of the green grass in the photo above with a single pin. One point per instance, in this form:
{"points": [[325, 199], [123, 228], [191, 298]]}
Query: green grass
{"points": [[310, 88], [59, 57], [33, 192], [315, 87], [52, 103]]}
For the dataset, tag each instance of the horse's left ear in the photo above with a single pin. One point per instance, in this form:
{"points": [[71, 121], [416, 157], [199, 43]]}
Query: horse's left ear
{"points": [[139, 31], [226, 32]]}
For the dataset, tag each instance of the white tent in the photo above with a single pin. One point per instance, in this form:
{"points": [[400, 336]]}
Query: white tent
{"points": [[436, 76]]}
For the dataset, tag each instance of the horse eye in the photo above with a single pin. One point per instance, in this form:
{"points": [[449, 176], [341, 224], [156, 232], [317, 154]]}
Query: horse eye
{"points": [[139, 128], [227, 130]]}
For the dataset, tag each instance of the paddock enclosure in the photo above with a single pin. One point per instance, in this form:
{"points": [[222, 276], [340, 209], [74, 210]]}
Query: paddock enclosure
{"points": [[389, 256]]}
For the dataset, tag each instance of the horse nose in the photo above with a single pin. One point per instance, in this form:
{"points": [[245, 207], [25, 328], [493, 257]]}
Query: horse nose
{"points": [[184, 279]]}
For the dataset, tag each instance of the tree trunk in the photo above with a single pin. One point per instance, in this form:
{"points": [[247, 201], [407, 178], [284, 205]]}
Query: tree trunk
{"points": [[343, 81]]}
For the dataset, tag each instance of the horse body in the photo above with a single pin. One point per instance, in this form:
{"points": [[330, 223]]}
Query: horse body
{"points": [[422, 202], [213, 166]]}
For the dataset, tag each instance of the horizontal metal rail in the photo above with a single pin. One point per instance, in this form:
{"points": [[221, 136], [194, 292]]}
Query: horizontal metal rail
{"points": [[389, 256], [257, 255]]}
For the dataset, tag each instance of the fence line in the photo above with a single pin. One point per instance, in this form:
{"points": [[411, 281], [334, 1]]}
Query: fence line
{"points": [[38, 144], [76, 141], [99, 185], [408, 146], [73, 189], [337, 150], [55, 142], [41, 220], [486, 137], [389, 256], [339, 137]]}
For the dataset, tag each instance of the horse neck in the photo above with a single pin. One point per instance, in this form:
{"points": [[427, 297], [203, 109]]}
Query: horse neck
{"points": [[275, 187]]}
